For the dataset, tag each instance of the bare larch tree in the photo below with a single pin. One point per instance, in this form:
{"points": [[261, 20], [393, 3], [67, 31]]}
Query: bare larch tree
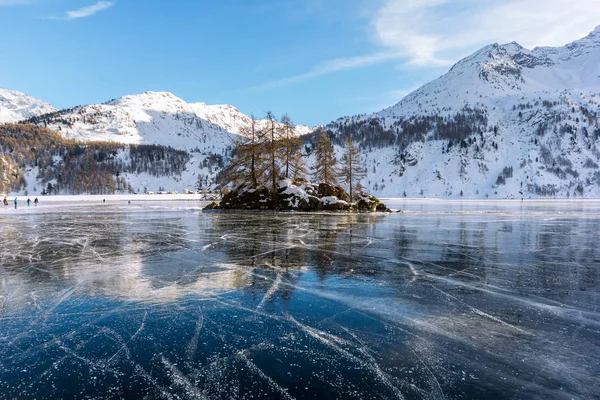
{"points": [[352, 170], [325, 161]]}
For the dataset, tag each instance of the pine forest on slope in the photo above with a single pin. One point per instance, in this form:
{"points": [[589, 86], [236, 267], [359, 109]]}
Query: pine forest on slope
{"points": [[69, 166]]}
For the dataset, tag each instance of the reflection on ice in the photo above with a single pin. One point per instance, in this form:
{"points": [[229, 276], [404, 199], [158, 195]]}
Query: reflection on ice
{"points": [[486, 301]]}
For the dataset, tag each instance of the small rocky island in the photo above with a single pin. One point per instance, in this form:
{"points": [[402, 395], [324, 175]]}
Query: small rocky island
{"points": [[298, 195]]}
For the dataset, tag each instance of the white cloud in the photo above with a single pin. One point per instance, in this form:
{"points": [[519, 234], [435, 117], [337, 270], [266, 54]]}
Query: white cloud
{"points": [[330, 66], [89, 10], [434, 32]]}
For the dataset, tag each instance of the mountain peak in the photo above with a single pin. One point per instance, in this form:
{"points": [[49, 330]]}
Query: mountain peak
{"points": [[152, 96], [161, 101], [150, 93], [593, 38], [513, 48], [16, 106]]}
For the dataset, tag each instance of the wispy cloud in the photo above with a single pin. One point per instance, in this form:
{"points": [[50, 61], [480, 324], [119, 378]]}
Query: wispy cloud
{"points": [[330, 66], [434, 33], [88, 11]]}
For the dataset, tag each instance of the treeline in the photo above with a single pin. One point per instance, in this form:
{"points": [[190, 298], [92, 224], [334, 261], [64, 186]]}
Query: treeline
{"points": [[266, 155], [64, 117], [157, 160], [372, 133], [75, 167]]}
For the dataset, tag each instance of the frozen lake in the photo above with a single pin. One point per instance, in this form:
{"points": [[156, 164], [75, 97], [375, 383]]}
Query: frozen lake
{"points": [[449, 300]]}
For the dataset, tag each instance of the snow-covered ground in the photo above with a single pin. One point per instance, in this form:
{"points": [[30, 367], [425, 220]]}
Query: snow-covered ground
{"points": [[112, 197], [107, 203], [156, 118], [529, 98], [206, 132], [16, 106]]}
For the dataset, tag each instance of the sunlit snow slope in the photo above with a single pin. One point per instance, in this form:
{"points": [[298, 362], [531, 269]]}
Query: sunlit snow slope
{"points": [[207, 132], [16, 106], [152, 117], [503, 122]]}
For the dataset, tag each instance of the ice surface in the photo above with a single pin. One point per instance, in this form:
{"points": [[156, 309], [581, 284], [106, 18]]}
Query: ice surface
{"points": [[453, 300]]}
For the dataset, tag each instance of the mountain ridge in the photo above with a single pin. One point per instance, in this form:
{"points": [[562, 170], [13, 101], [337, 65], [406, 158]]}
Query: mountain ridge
{"points": [[16, 106], [503, 122], [206, 132]]}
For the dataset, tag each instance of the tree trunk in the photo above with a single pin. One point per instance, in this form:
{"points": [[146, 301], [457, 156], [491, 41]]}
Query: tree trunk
{"points": [[253, 160], [273, 156]]}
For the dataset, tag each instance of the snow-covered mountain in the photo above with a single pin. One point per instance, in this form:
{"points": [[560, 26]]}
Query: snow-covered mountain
{"points": [[232, 120], [502, 122], [152, 118], [498, 71], [16, 106], [206, 132]]}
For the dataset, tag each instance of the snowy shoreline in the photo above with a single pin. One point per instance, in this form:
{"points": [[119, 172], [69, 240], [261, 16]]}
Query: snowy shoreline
{"points": [[492, 200], [199, 197], [94, 204], [109, 198]]}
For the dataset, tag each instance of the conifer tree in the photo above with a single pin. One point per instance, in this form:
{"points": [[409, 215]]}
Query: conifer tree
{"points": [[352, 170], [271, 149], [292, 163], [324, 169], [245, 165], [299, 167], [253, 150]]}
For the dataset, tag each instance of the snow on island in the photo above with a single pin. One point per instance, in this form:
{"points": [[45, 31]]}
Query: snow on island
{"points": [[298, 195]]}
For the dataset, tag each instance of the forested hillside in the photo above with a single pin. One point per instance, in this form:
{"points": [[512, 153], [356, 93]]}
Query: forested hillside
{"points": [[504, 122], [68, 166]]}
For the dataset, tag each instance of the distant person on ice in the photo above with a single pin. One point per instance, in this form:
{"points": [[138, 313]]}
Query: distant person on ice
{"points": [[36, 201], [16, 201], [28, 202], [5, 202]]}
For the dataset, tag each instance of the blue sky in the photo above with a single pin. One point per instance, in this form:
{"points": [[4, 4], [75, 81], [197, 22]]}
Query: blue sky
{"points": [[314, 59]]}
